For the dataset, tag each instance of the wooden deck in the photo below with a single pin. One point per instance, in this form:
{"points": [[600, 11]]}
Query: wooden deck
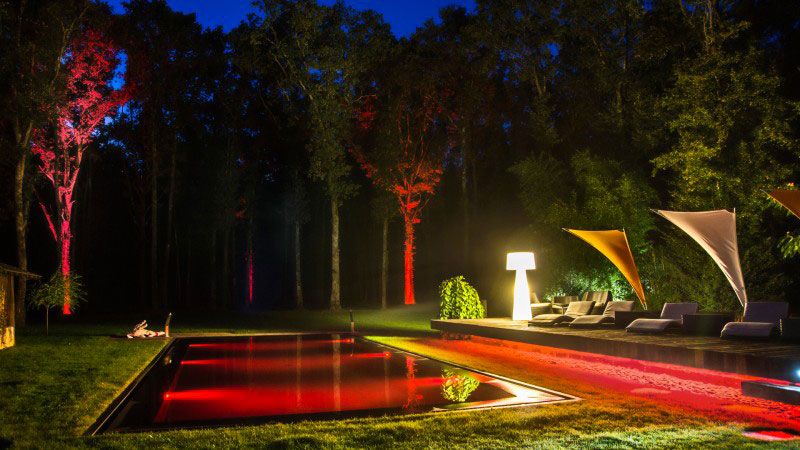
{"points": [[770, 359]]}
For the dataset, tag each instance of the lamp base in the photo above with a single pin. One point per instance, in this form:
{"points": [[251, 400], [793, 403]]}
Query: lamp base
{"points": [[522, 297]]}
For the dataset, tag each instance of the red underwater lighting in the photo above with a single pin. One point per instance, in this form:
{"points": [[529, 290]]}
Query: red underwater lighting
{"points": [[712, 393]]}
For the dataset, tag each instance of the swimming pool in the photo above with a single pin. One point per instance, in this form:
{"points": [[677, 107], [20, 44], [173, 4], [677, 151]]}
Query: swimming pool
{"points": [[201, 382]]}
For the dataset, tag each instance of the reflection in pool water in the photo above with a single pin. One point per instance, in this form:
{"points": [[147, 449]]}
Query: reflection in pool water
{"points": [[216, 381], [458, 385]]}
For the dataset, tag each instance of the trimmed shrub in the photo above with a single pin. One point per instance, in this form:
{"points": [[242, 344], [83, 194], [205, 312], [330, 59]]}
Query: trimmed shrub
{"points": [[459, 300]]}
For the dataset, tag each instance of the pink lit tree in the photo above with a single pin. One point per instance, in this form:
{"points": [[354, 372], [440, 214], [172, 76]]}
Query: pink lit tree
{"points": [[85, 100], [409, 168]]}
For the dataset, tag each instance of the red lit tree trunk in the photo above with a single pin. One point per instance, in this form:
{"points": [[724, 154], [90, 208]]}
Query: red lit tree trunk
{"points": [[410, 173], [408, 261], [85, 101]]}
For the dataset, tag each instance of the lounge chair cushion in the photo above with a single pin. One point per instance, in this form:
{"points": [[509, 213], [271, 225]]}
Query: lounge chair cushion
{"points": [[541, 308], [747, 329], [760, 320], [575, 309], [579, 308], [590, 321], [549, 319], [599, 308], [675, 311], [617, 305], [771, 312], [607, 317], [652, 325]]}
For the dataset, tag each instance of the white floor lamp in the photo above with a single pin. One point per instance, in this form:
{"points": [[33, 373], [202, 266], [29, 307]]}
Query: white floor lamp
{"points": [[521, 261]]}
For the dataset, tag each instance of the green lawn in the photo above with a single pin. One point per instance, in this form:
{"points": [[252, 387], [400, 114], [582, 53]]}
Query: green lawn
{"points": [[53, 388]]}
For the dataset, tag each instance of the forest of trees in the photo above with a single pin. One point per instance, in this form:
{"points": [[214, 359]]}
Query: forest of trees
{"points": [[310, 158]]}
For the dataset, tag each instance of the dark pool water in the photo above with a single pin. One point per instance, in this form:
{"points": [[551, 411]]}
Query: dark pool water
{"points": [[221, 381]]}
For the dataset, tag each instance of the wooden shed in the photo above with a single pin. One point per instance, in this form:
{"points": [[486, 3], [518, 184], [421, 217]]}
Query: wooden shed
{"points": [[8, 276]]}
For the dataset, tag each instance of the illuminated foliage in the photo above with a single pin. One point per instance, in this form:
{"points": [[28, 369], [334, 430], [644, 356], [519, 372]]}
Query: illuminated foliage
{"points": [[410, 171], [85, 101], [458, 385], [459, 300]]}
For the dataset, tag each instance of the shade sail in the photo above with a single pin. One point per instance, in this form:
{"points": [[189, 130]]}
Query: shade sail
{"points": [[715, 231], [789, 198], [613, 244]]}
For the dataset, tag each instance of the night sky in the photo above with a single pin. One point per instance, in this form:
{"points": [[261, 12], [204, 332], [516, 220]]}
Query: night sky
{"points": [[404, 16]]}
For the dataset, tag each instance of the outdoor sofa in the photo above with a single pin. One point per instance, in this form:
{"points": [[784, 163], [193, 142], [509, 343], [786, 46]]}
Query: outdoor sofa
{"points": [[606, 318], [671, 316], [760, 320], [575, 309]]}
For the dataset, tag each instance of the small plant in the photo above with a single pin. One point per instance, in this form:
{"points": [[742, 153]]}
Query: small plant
{"points": [[459, 300], [52, 293]]}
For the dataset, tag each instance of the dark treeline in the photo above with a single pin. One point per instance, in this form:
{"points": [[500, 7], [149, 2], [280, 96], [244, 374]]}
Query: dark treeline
{"points": [[296, 154]]}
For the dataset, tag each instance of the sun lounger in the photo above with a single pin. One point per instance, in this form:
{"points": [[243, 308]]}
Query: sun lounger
{"points": [[600, 298], [607, 318], [671, 316], [760, 320], [575, 309]]}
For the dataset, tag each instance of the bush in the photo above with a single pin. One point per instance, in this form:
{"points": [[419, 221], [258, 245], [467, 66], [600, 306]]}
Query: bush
{"points": [[459, 300]]}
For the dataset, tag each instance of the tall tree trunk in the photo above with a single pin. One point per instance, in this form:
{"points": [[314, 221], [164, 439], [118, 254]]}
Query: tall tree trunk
{"points": [[142, 249], [21, 211], [154, 300], [384, 261], [188, 283], [213, 270], [168, 234], [225, 277], [65, 239], [408, 261], [336, 302], [250, 262], [178, 273], [298, 268], [465, 198]]}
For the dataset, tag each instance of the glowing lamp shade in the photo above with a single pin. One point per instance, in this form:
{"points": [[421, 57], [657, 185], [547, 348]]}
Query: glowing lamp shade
{"points": [[520, 262]]}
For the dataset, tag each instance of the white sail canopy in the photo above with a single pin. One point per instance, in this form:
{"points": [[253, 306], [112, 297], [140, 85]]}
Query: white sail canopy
{"points": [[715, 231]]}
